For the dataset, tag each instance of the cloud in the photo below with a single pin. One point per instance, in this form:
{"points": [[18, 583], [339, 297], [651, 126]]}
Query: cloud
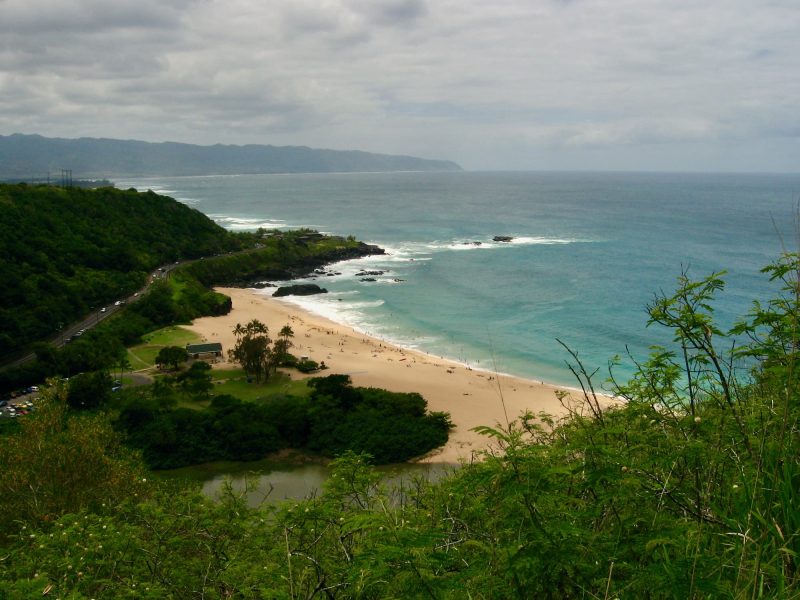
{"points": [[39, 17], [487, 84], [396, 13]]}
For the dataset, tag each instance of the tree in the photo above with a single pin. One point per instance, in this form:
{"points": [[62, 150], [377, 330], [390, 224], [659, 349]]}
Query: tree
{"points": [[171, 355], [282, 345], [253, 350], [197, 380], [123, 364], [89, 390], [60, 463]]}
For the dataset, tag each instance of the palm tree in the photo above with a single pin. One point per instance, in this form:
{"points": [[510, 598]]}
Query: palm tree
{"points": [[123, 364]]}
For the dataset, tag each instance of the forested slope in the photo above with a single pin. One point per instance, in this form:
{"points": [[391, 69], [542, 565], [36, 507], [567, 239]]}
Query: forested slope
{"points": [[69, 250]]}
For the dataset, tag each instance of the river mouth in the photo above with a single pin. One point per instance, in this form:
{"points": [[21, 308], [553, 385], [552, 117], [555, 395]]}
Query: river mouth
{"points": [[299, 477]]}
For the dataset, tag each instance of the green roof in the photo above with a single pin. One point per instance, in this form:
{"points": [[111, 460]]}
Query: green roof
{"points": [[201, 348]]}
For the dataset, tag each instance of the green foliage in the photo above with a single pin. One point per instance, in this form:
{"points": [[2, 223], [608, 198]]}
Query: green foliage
{"points": [[67, 251], [306, 366], [197, 379], [253, 350], [88, 391], [685, 488], [169, 438], [277, 255], [336, 418], [389, 426], [57, 464], [61, 264], [171, 356]]}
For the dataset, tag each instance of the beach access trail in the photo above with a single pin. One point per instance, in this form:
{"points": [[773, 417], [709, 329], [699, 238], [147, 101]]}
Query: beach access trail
{"points": [[472, 397]]}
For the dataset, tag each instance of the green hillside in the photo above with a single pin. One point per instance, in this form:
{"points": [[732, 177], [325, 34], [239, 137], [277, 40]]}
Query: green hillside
{"points": [[25, 156], [67, 251]]}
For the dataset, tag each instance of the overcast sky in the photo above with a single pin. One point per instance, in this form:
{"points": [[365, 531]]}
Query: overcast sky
{"points": [[701, 85]]}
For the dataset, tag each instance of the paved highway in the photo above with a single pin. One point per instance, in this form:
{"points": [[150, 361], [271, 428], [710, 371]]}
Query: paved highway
{"points": [[96, 316]]}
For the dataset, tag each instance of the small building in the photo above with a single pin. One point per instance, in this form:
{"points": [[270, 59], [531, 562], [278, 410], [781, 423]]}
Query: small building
{"points": [[209, 350]]}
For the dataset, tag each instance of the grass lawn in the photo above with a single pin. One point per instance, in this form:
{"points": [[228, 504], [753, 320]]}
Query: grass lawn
{"points": [[234, 382], [139, 357], [144, 355], [171, 336]]}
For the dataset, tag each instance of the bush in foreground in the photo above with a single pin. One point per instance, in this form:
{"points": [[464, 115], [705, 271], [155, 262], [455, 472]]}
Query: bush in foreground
{"points": [[688, 489]]}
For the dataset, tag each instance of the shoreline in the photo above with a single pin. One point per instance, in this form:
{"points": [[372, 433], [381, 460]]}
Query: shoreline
{"points": [[473, 397]]}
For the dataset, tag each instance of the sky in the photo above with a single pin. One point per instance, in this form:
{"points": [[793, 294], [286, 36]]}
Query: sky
{"points": [[655, 85]]}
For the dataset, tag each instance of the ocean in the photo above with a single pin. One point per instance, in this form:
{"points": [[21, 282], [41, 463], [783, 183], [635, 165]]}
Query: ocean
{"points": [[588, 253]]}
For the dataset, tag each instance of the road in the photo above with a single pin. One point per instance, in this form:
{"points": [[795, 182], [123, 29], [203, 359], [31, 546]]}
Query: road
{"points": [[99, 315], [96, 316]]}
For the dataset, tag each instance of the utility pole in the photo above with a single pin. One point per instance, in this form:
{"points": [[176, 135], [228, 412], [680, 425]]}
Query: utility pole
{"points": [[66, 178]]}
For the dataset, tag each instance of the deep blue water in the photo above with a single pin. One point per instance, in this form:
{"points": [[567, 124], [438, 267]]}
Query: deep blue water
{"points": [[589, 251]]}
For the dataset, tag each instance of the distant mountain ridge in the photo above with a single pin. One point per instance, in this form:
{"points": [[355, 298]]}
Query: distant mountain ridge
{"points": [[34, 157]]}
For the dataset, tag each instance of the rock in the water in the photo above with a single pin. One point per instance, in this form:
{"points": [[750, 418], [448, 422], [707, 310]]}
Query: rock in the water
{"points": [[300, 289], [369, 273], [502, 238]]}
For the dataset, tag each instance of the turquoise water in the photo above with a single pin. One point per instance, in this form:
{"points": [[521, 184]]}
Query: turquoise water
{"points": [[588, 253]]}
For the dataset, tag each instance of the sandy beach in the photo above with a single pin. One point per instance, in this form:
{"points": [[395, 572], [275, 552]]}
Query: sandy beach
{"points": [[472, 397]]}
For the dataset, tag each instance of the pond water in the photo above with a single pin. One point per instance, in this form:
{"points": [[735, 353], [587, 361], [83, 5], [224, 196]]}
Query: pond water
{"points": [[269, 482]]}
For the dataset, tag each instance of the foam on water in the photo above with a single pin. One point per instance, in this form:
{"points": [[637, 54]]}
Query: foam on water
{"points": [[247, 224], [352, 314], [586, 255]]}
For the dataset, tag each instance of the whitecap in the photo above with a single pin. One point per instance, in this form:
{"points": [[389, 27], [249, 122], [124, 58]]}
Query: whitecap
{"points": [[422, 250], [244, 224], [351, 314], [536, 240], [156, 189]]}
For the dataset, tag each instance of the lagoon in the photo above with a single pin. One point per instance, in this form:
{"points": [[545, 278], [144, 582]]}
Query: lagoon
{"points": [[270, 482]]}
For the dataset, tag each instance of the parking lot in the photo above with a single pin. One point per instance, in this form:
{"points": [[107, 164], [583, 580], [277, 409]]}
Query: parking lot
{"points": [[20, 403]]}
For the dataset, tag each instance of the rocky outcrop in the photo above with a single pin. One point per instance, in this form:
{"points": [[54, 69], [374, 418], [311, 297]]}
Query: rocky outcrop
{"points": [[502, 238], [299, 289]]}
